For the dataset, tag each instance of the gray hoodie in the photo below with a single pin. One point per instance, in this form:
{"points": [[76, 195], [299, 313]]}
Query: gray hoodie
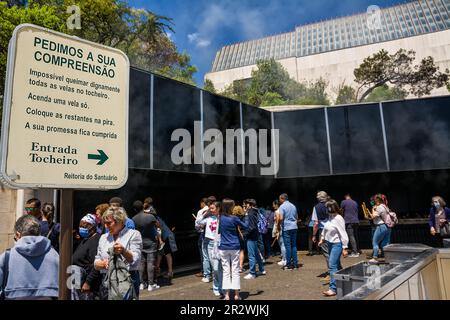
{"points": [[33, 269]]}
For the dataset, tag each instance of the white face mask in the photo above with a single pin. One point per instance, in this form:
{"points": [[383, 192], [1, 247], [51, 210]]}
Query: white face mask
{"points": [[436, 204]]}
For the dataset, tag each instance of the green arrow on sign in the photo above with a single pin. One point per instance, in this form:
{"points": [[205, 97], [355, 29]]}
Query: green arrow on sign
{"points": [[102, 157]]}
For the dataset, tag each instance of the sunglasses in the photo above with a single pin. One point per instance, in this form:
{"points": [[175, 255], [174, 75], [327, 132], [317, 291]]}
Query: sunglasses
{"points": [[28, 209]]}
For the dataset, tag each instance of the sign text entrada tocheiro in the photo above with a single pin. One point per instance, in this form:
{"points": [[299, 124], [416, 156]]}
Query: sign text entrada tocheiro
{"points": [[68, 56], [65, 113]]}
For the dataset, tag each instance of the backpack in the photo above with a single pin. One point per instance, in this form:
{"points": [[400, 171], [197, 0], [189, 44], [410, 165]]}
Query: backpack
{"points": [[118, 278], [391, 218], [263, 224]]}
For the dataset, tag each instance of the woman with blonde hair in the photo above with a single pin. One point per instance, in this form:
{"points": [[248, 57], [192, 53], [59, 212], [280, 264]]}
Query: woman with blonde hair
{"points": [[229, 248], [122, 242], [439, 220]]}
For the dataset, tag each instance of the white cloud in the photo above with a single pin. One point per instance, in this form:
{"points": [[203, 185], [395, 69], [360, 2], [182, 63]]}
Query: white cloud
{"points": [[192, 37], [203, 43], [198, 40]]}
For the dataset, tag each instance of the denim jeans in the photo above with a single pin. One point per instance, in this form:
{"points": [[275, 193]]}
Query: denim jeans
{"points": [[381, 237], [352, 232], [216, 268], [147, 264], [268, 242], [206, 262], [311, 245], [201, 236], [136, 281], [282, 248], [290, 243], [254, 257], [261, 245], [334, 262], [324, 248]]}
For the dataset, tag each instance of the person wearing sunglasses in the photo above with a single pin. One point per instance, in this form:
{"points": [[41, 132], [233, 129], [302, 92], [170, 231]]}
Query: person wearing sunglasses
{"points": [[33, 207]]}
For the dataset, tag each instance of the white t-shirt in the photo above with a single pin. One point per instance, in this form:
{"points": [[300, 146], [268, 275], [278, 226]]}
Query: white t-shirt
{"points": [[334, 231], [380, 211], [211, 224], [199, 218]]}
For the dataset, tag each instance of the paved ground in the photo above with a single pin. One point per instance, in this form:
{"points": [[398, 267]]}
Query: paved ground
{"points": [[301, 284]]}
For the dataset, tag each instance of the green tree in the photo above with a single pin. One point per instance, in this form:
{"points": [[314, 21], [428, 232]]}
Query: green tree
{"points": [[270, 76], [271, 85], [398, 70], [181, 70], [10, 17], [316, 92], [209, 86], [140, 33], [385, 93], [272, 99], [346, 95]]}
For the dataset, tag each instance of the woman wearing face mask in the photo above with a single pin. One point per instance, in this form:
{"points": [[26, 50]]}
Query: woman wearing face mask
{"points": [[83, 259], [438, 220]]}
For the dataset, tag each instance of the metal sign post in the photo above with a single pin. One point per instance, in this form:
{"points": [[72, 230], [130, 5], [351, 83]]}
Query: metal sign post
{"points": [[65, 241]]}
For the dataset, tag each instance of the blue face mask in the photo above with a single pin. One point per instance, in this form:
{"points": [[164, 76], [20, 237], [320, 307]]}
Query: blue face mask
{"points": [[437, 205], [84, 232]]}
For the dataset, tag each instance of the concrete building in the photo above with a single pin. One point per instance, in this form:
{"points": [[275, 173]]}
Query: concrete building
{"points": [[332, 49]]}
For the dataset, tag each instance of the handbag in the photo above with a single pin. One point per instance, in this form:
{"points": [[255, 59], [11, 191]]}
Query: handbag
{"points": [[445, 230]]}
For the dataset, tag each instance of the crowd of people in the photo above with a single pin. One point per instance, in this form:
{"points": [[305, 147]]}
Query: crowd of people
{"points": [[117, 256]]}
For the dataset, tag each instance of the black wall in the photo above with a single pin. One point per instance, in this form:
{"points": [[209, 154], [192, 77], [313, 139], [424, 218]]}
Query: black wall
{"points": [[415, 167]]}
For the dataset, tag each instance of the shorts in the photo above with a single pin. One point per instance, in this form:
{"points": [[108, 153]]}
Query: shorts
{"points": [[166, 249]]}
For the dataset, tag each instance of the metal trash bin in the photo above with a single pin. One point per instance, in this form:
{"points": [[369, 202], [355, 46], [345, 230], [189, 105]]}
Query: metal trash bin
{"points": [[354, 277], [446, 243], [399, 252]]}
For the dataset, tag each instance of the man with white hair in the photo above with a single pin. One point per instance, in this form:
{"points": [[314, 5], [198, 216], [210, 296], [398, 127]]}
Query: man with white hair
{"points": [[320, 217], [35, 264]]}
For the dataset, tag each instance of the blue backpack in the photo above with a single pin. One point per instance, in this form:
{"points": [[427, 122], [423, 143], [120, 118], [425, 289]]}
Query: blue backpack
{"points": [[263, 224]]}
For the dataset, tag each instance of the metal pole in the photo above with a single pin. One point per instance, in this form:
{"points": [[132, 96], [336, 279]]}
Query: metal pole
{"points": [[65, 241]]}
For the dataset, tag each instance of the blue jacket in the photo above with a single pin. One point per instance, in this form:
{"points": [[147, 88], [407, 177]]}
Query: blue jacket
{"points": [[252, 232], [229, 237], [432, 217], [33, 269]]}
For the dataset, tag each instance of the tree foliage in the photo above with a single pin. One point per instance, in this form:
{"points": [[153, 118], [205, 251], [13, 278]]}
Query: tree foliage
{"points": [[270, 85], [209, 86], [386, 93], [140, 33], [346, 94], [398, 70], [10, 17]]}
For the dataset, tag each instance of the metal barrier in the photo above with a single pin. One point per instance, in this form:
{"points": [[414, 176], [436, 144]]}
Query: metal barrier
{"points": [[413, 231], [424, 275]]}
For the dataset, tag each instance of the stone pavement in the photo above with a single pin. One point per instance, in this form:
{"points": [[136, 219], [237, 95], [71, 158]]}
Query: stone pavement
{"points": [[301, 284]]}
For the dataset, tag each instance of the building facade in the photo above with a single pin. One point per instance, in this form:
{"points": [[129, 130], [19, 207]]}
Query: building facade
{"points": [[333, 49]]}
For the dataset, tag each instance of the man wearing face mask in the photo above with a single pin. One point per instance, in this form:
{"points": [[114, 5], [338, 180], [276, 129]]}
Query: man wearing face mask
{"points": [[84, 257], [438, 220]]}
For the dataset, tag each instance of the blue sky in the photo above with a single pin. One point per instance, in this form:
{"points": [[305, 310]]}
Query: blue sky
{"points": [[203, 26]]}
